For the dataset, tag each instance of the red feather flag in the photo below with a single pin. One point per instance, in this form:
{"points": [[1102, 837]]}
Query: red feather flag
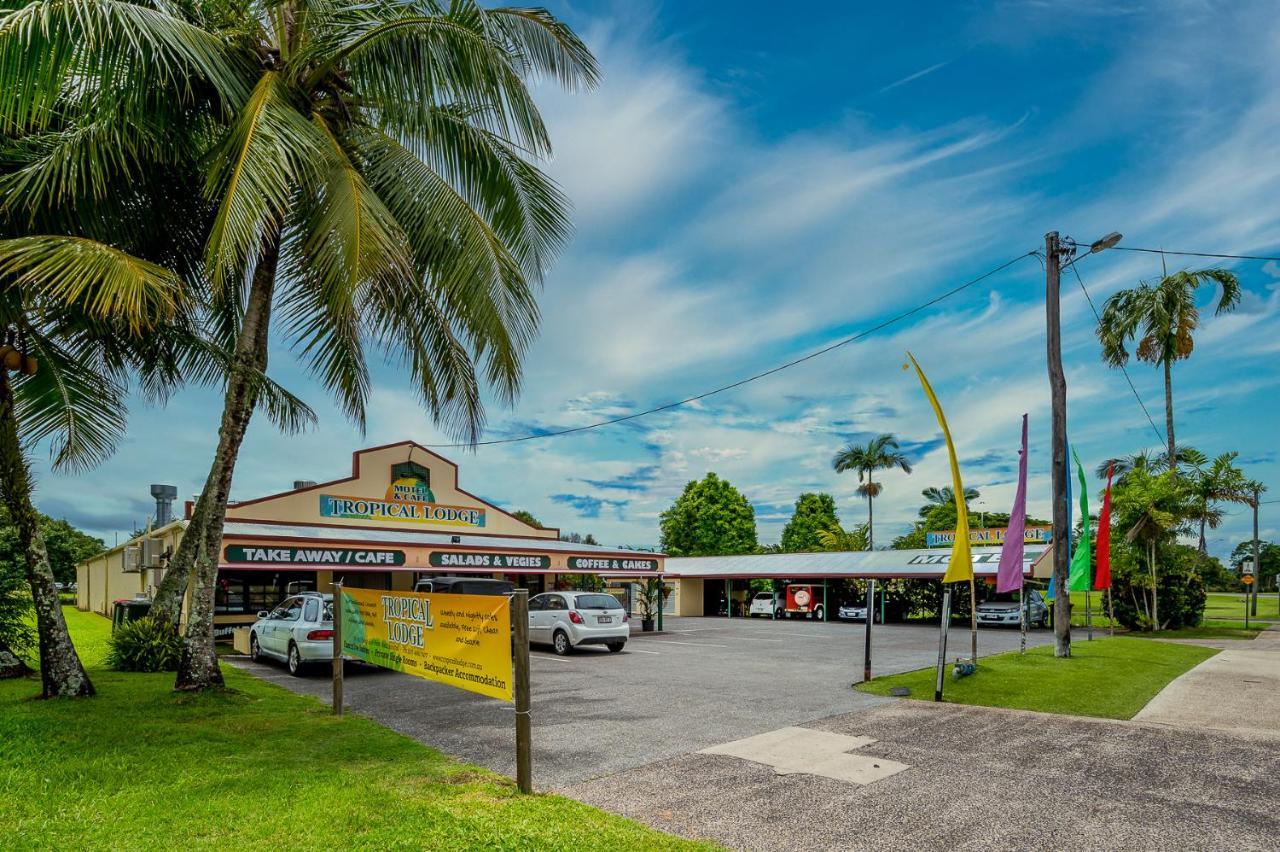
{"points": [[1102, 575]]}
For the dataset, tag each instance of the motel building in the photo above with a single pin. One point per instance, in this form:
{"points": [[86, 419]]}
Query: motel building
{"points": [[400, 516]]}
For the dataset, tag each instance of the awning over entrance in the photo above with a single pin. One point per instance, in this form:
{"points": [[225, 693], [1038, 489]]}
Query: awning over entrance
{"points": [[880, 564]]}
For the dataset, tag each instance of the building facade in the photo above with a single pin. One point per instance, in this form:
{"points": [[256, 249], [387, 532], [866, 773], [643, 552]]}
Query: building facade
{"points": [[401, 515]]}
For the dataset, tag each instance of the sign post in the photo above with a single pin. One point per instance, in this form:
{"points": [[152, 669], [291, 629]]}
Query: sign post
{"points": [[520, 665], [337, 648], [942, 640], [1246, 571]]}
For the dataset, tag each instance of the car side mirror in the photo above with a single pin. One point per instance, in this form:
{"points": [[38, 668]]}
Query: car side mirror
{"points": [[262, 613]]}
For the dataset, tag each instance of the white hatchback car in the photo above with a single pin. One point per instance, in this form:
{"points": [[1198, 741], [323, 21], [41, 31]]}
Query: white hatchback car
{"points": [[565, 620], [298, 632]]}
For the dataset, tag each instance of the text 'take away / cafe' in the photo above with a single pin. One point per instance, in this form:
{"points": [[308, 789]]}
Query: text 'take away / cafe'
{"points": [[400, 516]]}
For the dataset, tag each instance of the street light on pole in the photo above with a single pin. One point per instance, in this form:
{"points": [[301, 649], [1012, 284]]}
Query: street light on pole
{"points": [[1056, 251]]}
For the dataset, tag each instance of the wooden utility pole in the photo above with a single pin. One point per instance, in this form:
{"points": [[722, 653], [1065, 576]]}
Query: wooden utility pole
{"points": [[520, 669], [1058, 397], [1257, 555]]}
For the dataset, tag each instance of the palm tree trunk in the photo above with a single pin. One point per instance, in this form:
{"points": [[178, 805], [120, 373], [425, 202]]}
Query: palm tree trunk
{"points": [[197, 555], [871, 538], [1168, 417], [1203, 510], [1155, 591], [61, 673]]}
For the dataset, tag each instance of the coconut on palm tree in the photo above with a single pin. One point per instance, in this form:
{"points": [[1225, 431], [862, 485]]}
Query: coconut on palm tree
{"points": [[880, 453], [370, 170], [1162, 318]]}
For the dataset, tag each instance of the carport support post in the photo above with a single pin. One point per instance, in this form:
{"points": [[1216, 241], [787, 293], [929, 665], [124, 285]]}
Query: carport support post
{"points": [[337, 648], [728, 598], [942, 640], [520, 668], [661, 601], [871, 616]]}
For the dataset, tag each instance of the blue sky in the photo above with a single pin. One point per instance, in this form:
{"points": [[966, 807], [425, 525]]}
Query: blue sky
{"points": [[751, 184]]}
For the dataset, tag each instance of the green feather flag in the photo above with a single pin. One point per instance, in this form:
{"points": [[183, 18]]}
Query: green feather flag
{"points": [[1081, 577]]}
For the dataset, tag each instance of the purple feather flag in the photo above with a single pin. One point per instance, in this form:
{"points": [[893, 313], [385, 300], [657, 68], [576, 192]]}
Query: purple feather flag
{"points": [[1009, 576]]}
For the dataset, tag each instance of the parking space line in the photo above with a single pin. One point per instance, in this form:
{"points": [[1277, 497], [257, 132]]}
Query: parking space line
{"points": [[557, 659], [694, 644], [638, 651]]}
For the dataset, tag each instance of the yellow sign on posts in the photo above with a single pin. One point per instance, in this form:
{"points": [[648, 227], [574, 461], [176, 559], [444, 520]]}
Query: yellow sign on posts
{"points": [[1247, 579], [461, 640]]}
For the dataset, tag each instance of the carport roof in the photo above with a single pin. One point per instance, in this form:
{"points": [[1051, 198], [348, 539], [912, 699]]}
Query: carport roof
{"points": [[888, 564]]}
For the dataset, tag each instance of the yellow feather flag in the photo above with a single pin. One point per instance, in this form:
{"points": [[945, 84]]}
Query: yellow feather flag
{"points": [[960, 568]]}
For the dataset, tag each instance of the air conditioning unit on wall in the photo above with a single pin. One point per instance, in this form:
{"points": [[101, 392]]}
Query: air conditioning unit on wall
{"points": [[132, 559], [152, 553]]}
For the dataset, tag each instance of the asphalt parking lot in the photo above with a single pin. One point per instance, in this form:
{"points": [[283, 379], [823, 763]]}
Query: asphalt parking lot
{"points": [[703, 682]]}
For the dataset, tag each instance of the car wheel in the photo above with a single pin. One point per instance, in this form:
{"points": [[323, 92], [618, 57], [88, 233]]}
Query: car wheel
{"points": [[615, 647], [255, 653], [296, 666], [777, 613], [818, 613], [560, 643]]}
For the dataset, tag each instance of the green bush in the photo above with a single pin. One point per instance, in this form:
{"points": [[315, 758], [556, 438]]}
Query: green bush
{"points": [[144, 645]]}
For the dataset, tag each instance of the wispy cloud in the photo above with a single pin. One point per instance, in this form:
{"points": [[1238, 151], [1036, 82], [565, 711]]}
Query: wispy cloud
{"points": [[913, 77]]}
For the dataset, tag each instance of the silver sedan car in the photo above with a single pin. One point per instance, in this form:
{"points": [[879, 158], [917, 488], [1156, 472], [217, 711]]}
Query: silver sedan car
{"points": [[565, 620], [298, 632]]}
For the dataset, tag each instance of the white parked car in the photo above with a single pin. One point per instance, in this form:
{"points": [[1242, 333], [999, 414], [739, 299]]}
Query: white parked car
{"points": [[565, 620], [770, 604], [298, 632], [855, 612]]}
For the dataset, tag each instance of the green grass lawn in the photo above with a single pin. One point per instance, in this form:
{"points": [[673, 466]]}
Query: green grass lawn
{"points": [[256, 767], [1229, 607], [1109, 677]]}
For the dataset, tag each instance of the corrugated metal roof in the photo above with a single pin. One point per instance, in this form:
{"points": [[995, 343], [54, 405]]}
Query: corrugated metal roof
{"points": [[415, 538], [915, 564]]}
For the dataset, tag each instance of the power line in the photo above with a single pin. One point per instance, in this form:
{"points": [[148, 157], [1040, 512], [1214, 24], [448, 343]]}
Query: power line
{"points": [[755, 377], [1159, 434], [1196, 253]]}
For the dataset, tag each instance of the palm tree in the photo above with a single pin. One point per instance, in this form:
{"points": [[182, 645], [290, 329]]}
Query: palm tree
{"points": [[944, 496], [837, 538], [71, 309], [369, 170], [1162, 317], [1156, 461], [880, 453], [1219, 481]]}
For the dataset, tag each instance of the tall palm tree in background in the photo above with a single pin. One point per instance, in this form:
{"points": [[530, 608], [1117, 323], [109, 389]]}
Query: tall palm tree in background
{"points": [[1151, 461], [880, 453], [1219, 481], [1162, 318], [369, 170], [944, 496], [837, 538]]}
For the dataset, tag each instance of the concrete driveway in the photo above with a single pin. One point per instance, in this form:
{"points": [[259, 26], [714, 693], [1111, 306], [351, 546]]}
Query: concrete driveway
{"points": [[704, 682], [976, 778]]}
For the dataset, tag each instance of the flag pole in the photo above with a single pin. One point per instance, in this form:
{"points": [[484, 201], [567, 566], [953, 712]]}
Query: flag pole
{"points": [[1111, 612], [1023, 611], [942, 640], [973, 617], [1088, 613]]}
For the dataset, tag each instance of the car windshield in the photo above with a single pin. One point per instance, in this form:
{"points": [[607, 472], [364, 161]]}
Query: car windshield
{"points": [[597, 602], [764, 596]]}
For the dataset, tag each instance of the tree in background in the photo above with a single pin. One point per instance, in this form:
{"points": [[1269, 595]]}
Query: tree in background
{"points": [[1149, 510], [880, 453], [1264, 575], [814, 513], [1212, 483], [710, 518], [1162, 318], [944, 496], [837, 539], [526, 516], [66, 546], [1152, 461], [370, 168]]}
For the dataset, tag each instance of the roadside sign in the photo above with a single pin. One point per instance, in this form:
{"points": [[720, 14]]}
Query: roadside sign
{"points": [[1247, 567], [461, 640], [1247, 579]]}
